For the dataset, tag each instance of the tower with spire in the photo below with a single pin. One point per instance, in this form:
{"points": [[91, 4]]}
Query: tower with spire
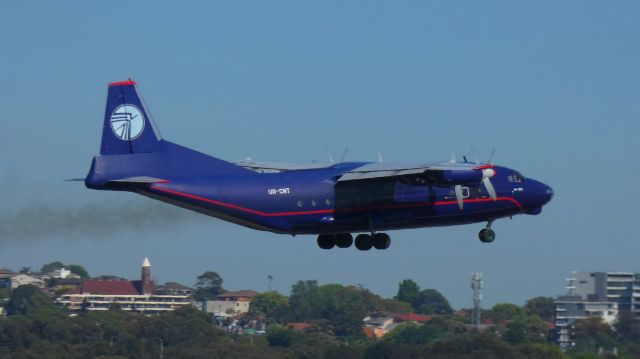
{"points": [[147, 283]]}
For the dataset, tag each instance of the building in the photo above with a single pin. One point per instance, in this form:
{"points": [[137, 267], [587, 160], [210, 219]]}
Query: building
{"points": [[173, 288], [230, 304], [131, 295], [378, 327], [5, 279], [595, 295], [62, 273], [26, 279]]}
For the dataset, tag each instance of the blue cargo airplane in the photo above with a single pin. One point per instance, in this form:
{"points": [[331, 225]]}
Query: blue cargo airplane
{"points": [[331, 200]]}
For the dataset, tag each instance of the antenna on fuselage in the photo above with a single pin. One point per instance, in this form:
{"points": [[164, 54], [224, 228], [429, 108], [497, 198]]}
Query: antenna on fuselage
{"points": [[380, 159]]}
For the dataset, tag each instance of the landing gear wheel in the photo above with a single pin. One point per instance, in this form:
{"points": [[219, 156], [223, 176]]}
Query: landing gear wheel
{"points": [[381, 241], [344, 240], [487, 235], [364, 242], [326, 241]]}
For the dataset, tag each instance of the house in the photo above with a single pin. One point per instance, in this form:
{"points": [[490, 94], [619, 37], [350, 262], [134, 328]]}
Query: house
{"points": [[378, 327], [230, 304], [413, 317], [63, 273], [130, 295], [26, 279]]}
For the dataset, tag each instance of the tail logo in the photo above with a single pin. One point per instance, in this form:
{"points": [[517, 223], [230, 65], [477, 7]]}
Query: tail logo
{"points": [[127, 122]]}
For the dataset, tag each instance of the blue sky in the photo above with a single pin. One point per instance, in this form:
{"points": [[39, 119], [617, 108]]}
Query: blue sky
{"points": [[553, 86]]}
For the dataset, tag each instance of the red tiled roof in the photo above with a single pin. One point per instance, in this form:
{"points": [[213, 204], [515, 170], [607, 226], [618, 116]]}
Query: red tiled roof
{"points": [[413, 317], [110, 287], [240, 293], [298, 326]]}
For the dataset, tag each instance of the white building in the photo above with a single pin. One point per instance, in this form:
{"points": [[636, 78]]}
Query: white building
{"points": [[25, 279], [230, 304], [130, 295], [596, 295]]}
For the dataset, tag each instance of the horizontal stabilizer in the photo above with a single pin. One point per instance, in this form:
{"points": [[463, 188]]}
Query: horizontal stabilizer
{"points": [[140, 179]]}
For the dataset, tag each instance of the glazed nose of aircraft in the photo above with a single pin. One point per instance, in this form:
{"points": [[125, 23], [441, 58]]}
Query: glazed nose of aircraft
{"points": [[543, 192]]}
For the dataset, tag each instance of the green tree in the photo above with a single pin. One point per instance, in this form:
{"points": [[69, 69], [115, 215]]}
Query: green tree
{"points": [[504, 311], [50, 267], [28, 300], [408, 291], [270, 304], [208, 286], [78, 270], [305, 301], [430, 301], [429, 332], [544, 307], [591, 334], [524, 329]]}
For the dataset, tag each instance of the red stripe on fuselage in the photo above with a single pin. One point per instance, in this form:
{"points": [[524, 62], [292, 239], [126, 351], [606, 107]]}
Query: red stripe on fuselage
{"points": [[325, 211]]}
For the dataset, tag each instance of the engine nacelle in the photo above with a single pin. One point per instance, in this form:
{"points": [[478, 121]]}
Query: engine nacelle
{"points": [[453, 177]]}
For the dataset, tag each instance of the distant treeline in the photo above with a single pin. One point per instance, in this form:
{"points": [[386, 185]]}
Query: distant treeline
{"points": [[36, 327]]}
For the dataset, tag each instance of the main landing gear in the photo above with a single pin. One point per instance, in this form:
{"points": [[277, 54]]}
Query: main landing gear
{"points": [[363, 242], [487, 235]]}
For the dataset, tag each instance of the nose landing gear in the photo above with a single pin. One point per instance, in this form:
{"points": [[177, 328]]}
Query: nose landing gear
{"points": [[487, 235]]}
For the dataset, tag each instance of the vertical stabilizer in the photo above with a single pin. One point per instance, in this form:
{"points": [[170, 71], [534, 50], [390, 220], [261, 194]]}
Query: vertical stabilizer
{"points": [[127, 128]]}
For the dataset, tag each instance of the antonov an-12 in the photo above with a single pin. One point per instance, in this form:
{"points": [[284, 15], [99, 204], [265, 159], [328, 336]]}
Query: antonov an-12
{"points": [[330, 200]]}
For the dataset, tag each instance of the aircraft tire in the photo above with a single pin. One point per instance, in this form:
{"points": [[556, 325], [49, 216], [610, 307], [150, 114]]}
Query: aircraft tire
{"points": [[381, 241], [326, 241], [344, 240], [487, 235], [364, 242]]}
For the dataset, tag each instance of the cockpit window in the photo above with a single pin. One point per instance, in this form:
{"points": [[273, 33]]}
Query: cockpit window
{"points": [[516, 177]]}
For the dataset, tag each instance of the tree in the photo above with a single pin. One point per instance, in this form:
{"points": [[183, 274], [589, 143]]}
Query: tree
{"points": [[50, 267], [270, 304], [208, 286], [592, 334], [29, 299], [524, 329], [627, 327], [504, 311], [430, 301], [408, 290], [25, 270], [78, 270], [544, 307], [305, 301], [429, 332]]}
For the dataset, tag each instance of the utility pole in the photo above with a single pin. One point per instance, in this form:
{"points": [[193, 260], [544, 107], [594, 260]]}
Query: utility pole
{"points": [[161, 347], [476, 286], [269, 282]]}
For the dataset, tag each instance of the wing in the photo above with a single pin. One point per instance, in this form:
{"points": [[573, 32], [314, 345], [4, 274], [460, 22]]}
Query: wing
{"points": [[464, 172], [439, 174]]}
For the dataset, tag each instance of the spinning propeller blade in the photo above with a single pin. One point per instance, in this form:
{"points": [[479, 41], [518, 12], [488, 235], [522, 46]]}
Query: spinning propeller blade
{"points": [[487, 173], [459, 197]]}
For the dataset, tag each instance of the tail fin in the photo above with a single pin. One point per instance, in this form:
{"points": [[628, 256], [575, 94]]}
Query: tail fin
{"points": [[128, 128]]}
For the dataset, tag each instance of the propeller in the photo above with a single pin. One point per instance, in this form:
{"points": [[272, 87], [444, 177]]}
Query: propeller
{"points": [[326, 149], [459, 196], [487, 173], [493, 152]]}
